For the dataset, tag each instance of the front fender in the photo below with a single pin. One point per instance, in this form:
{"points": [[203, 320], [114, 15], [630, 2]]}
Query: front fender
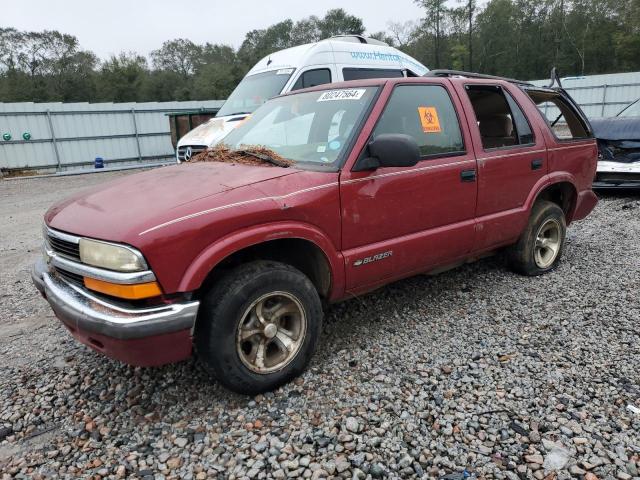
{"points": [[222, 248]]}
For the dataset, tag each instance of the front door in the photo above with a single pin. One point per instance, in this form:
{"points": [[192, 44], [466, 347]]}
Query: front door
{"points": [[397, 221]]}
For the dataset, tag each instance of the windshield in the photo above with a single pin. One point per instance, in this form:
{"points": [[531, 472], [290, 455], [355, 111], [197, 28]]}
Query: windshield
{"points": [[254, 90], [312, 128], [632, 110]]}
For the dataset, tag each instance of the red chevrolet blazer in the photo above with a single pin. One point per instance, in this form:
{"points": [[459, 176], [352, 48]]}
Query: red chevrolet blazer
{"points": [[383, 179]]}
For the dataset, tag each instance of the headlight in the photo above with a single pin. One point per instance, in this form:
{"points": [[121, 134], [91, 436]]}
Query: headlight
{"points": [[110, 256]]}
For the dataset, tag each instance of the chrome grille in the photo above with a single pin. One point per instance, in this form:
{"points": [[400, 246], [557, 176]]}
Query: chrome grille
{"points": [[64, 248], [70, 277], [194, 149]]}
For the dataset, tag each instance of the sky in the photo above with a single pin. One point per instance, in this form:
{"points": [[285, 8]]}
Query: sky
{"points": [[110, 26]]}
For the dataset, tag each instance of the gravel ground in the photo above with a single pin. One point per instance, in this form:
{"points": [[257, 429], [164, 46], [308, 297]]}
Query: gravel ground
{"points": [[476, 371]]}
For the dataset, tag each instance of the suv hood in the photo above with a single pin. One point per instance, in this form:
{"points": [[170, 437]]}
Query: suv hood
{"points": [[119, 210], [211, 132]]}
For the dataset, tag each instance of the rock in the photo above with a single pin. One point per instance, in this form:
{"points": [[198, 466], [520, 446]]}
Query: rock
{"points": [[556, 459], [537, 459], [260, 447], [174, 462], [405, 461], [181, 442], [5, 432], [353, 425], [376, 470], [329, 467], [342, 466], [576, 470]]}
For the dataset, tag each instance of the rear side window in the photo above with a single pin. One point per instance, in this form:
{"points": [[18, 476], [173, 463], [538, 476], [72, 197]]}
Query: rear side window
{"points": [[562, 119], [427, 114], [312, 78], [500, 120], [364, 73]]}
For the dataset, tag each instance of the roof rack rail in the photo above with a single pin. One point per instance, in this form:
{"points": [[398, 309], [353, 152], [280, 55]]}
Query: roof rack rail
{"points": [[460, 73], [358, 39]]}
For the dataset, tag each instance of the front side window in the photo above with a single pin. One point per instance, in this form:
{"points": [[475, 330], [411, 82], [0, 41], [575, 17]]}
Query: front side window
{"points": [[313, 129], [365, 73], [313, 78], [254, 90], [427, 114], [561, 117]]}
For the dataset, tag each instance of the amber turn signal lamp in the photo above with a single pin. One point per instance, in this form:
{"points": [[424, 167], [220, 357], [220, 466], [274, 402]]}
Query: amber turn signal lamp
{"points": [[130, 292]]}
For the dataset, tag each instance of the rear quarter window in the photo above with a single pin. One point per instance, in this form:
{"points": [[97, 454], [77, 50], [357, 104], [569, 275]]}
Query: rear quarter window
{"points": [[560, 115]]}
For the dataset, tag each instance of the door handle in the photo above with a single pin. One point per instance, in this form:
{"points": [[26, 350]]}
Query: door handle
{"points": [[536, 164], [468, 175]]}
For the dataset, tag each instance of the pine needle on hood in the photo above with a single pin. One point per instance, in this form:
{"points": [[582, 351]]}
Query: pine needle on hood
{"points": [[255, 155]]}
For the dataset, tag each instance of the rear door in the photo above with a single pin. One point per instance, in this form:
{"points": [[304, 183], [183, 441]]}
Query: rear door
{"points": [[512, 158], [397, 221], [571, 146]]}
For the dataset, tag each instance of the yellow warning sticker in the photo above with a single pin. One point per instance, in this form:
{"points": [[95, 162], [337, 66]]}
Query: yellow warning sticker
{"points": [[429, 119]]}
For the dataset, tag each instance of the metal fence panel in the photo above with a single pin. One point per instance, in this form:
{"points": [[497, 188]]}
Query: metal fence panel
{"points": [[71, 135], [600, 95]]}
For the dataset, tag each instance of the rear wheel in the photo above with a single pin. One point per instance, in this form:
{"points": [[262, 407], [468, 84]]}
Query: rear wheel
{"points": [[540, 247], [258, 326]]}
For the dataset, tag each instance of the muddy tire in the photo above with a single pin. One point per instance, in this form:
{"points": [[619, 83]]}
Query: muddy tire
{"points": [[258, 327], [540, 247]]}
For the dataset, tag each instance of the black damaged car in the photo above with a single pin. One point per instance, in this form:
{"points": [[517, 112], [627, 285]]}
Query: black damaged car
{"points": [[619, 149]]}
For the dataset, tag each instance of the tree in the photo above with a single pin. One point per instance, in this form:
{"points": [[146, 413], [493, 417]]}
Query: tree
{"points": [[435, 22], [259, 43], [122, 78], [514, 38], [180, 55], [402, 34], [339, 22], [306, 30]]}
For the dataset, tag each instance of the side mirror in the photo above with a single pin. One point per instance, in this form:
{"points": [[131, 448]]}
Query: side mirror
{"points": [[390, 150]]}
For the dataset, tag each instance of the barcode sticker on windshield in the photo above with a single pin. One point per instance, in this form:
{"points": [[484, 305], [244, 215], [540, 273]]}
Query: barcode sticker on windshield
{"points": [[351, 94]]}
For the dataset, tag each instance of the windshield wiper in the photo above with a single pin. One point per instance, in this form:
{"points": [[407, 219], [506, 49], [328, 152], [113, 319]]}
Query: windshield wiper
{"points": [[265, 158]]}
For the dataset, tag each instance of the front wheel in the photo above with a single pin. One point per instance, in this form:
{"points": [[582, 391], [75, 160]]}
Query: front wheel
{"points": [[258, 327], [540, 247]]}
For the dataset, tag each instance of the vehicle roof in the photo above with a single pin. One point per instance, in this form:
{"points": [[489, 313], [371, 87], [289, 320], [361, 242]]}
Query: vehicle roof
{"points": [[374, 82], [381, 54]]}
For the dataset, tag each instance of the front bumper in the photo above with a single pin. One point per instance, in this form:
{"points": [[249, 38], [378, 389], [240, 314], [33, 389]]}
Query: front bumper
{"points": [[139, 336], [617, 175]]}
